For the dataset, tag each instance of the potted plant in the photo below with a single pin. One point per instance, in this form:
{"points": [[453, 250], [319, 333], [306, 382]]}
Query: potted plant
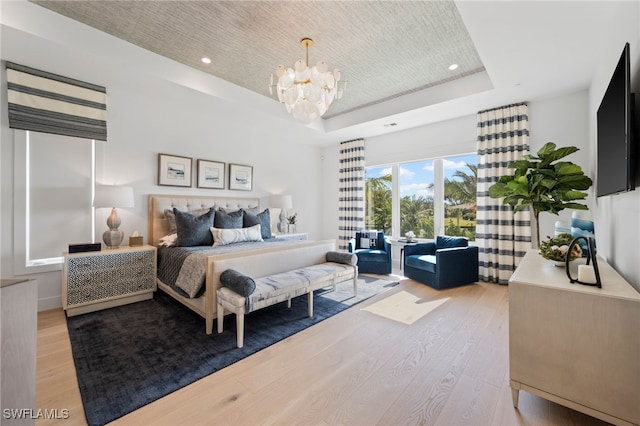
{"points": [[291, 221], [556, 249], [543, 183]]}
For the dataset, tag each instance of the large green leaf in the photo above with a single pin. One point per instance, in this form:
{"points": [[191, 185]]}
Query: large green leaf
{"points": [[567, 168], [546, 150]]}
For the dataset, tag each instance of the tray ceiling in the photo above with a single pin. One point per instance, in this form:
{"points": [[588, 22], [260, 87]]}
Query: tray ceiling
{"points": [[384, 49]]}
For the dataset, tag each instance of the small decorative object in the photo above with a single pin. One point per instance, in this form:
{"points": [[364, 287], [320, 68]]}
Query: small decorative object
{"points": [[291, 223], [135, 240], [282, 202], [174, 170], [556, 249], [582, 226], [410, 236], [587, 274], [240, 177], [543, 183], [561, 227], [210, 174], [113, 196]]}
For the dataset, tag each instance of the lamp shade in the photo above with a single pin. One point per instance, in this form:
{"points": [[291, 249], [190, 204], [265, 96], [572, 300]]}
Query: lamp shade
{"points": [[280, 201], [113, 196]]}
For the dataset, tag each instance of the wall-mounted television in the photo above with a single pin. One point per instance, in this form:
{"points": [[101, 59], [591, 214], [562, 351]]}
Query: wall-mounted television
{"points": [[617, 160]]}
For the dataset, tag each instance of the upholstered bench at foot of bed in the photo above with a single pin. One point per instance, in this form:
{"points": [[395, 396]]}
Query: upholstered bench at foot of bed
{"points": [[279, 288]]}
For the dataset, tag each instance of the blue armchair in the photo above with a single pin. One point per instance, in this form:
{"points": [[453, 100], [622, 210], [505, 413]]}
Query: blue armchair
{"points": [[447, 262], [375, 259]]}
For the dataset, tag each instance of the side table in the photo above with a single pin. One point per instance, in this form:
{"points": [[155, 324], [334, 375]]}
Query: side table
{"points": [[102, 279], [403, 242]]}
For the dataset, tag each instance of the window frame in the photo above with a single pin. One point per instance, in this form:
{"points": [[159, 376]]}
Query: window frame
{"points": [[23, 263], [439, 221]]}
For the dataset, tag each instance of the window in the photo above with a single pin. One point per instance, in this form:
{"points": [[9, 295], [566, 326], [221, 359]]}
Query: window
{"points": [[460, 182], [417, 198], [378, 198], [53, 187], [429, 197]]}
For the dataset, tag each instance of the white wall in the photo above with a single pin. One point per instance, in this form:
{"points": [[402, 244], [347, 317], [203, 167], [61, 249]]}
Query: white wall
{"points": [[563, 120], [617, 217], [149, 114], [157, 106]]}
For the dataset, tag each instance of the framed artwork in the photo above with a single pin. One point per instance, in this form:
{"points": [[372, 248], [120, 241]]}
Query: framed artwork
{"points": [[174, 170], [240, 177], [210, 174]]}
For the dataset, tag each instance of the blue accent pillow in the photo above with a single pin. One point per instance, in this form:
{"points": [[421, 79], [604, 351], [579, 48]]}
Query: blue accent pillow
{"points": [[238, 282], [231, 220], [193, 230], [442, 241], [263, 219]]}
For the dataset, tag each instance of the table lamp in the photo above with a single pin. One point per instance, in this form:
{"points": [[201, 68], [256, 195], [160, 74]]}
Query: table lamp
{"points": [[113, 196], [282, 202]]}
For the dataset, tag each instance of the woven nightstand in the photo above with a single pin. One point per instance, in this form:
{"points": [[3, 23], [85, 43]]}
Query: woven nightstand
{"points": [[98, 280]]}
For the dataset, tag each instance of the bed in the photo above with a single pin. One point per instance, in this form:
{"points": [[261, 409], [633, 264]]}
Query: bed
{"points": [[196, 288]]}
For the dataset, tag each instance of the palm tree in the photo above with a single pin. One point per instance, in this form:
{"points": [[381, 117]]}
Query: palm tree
{"points": [[416, 214], [460, 191], [378, 195]]}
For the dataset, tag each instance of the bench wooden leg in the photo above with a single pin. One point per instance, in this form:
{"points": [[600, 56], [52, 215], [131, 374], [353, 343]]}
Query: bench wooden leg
{"points": [[240, 328], [310, 303], [220, 318]]}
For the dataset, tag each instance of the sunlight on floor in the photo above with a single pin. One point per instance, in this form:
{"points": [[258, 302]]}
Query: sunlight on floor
{"points": [[404, 307]]}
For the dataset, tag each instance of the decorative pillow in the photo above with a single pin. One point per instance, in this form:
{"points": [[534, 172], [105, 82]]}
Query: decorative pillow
{"points": [[238, 282], [342, 257], [193, 230], [263, 219], [171, 218], [168, 240], [449, 242], [228, 220], [223, 237], [253, 210]]}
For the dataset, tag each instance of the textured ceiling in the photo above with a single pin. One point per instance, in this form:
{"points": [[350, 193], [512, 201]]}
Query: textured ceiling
{"points": [[384, 49]]}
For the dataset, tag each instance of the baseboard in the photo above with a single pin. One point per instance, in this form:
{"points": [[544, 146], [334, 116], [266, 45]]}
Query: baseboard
{"points": [[48, 303]]}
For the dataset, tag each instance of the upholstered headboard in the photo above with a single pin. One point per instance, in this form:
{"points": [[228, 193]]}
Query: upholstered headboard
{"points": [[159, 226]]}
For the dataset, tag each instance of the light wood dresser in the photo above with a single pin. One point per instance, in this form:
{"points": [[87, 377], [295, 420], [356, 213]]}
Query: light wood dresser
{"points": [[18, 319], [576, 345]]}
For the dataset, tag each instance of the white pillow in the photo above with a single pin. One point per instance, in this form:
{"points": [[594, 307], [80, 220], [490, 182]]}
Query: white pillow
{"points": [[168, 240], [223, 237]]}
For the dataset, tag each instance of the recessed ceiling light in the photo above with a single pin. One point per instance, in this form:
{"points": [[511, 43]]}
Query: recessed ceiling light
{"points": [[206, 60], [453, 66]]}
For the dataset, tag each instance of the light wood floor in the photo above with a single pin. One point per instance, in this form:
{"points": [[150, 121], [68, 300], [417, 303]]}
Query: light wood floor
{"points": [[412, 355]]}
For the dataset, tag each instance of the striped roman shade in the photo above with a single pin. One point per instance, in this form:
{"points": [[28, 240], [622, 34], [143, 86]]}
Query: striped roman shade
{"points": [[502, 237], [49, 103], [351, 197]]}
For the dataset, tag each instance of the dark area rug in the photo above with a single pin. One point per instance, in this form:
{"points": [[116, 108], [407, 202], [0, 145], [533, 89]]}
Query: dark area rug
{"points": [[129, 356]]}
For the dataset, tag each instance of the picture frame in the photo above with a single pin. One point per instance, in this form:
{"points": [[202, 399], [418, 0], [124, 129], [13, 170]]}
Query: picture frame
{"points": [[240, 177], [211, 174], [174, 170]]}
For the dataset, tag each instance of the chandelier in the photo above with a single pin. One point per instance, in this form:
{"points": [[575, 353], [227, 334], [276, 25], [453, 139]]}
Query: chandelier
{"points": [[307, 92]]}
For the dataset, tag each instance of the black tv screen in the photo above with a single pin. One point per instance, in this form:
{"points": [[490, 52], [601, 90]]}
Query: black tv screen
{"points": [[615, 121]]}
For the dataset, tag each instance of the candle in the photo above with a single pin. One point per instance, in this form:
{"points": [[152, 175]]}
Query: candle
{"points": [[586, 274]]}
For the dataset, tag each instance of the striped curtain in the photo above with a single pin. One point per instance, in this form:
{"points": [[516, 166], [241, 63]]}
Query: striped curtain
{"points": [[502, 237], [351, 197], [44, 102]]}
